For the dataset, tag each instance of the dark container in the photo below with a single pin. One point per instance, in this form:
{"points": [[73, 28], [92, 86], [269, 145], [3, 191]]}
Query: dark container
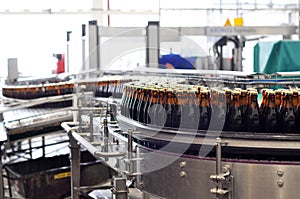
{"points": [[49, 177]]}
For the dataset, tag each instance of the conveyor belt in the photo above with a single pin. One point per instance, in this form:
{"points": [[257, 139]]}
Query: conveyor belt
{"points": [[29, 122]]}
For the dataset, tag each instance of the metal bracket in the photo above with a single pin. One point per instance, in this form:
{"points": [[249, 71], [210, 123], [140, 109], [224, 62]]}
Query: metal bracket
{"points": [[223, 176]]}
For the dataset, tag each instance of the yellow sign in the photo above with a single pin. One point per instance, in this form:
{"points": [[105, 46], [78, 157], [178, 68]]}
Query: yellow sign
{"points": [[227, 23], [62, 175], [238, 21]]}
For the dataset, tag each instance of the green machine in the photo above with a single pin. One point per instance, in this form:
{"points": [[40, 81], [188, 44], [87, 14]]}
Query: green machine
{"points": [[281, 56]]}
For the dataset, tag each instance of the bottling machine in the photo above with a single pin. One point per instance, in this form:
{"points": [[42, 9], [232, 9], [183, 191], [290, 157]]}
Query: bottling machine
{"points": [[159, 161]]}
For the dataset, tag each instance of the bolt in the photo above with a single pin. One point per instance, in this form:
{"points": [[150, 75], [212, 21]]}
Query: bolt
{"points": [[280, 183], [182, 174], [280, 172], [182, 164]]}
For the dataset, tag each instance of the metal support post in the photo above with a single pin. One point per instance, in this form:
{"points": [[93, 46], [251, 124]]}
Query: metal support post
{"points": [[153, 44], [105, 136], [120, 190], [75, 166], [1, 173], [83, 47], [94, 51], [92, 126], [223, 176], [68, 51], [130, 151]]}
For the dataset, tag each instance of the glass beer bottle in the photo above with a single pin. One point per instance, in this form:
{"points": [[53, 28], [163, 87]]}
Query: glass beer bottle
{"points": [[235, 119], [253, 116]]}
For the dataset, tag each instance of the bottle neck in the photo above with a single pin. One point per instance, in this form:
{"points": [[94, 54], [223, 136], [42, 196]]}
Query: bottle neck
{"points": [[277, 99], [204, 100], [253, 101], [289, 101], [154, 98], [236, 101]]}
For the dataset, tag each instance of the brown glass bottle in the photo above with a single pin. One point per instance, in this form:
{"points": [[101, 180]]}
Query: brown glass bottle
{"points": [[270, 120], [126, 100], [244, 105], [140, 105], [295, 100], [137, 97], [297, 114], [228, 95], [221, 119], [263, 100], [169, 102], [186, 116], [288, 115], [123, 100], [130, 100], [148, 93], [253, 115], [214, 109], [161, 118], [235, 119], [278, 100], [176, 109], [152, 114], [205, 110]]}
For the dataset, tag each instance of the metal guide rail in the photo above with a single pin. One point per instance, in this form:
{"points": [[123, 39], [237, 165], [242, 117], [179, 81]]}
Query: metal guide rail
{"points": [[97, 132], [227, 78]]}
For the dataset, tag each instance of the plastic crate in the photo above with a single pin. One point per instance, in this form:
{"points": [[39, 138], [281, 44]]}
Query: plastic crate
{"points": [[49, 178]]}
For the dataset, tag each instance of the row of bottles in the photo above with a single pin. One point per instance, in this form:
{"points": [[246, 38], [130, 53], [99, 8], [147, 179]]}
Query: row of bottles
{"points": [[103, 88], [37, 91], [197, 107], [106, 88]]}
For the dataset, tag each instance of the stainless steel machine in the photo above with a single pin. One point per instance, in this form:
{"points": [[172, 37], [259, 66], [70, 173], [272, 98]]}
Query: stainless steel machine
{"points": [[159, 162]]}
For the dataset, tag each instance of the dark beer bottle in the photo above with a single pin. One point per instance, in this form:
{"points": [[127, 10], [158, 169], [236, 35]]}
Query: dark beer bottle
{"points": [[282, 105], [205, 110], [130, 101], [269, 121], [160, 109], [288, 114], [228, 95], [152, 114], [221, 119], [263, 100], [184, 109], [235, 119], [297, 114], [193, 114], [140, 105], [244, 105], [137, 97], [253, 116], [123, 100], [145, 112], [295, 100], [214, 109], [278, 100], [168, 107], [177, 108], [126, 102]]}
